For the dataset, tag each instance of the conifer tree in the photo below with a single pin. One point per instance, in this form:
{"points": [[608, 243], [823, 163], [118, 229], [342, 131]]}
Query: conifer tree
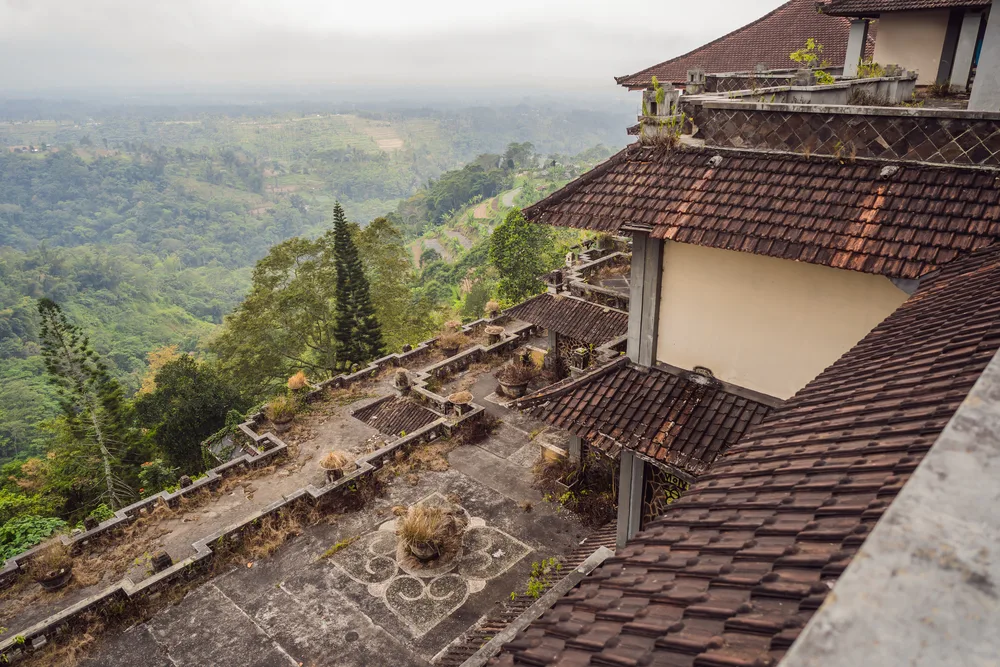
{"points": [[92, 401], [358, 332]]}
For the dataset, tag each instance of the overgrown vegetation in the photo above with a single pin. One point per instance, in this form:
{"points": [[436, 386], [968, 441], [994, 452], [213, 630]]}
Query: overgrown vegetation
{"points": [[144, 233], [588, 488]]}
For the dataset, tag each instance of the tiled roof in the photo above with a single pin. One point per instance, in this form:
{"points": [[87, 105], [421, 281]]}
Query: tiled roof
{"points": [[673, 419], [767, 40], [736, 567], [899, 220], [875, 7], [395, 415], [573, 317]]}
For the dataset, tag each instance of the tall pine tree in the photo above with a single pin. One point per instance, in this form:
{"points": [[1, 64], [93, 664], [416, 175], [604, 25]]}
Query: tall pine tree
{"points": [[358, 332], [92, 402]]}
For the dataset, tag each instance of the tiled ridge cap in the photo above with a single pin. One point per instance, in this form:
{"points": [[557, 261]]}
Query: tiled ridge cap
{"points": [[564, 387]]}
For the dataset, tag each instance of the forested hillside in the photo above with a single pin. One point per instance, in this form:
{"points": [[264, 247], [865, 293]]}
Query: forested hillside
{"points": [[145, 224]]}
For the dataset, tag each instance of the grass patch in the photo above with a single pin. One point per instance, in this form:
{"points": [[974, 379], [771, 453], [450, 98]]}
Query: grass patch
{"points": [[343, 544]]}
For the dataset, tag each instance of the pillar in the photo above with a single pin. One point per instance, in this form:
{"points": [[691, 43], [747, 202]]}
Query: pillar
{"points": [[575, 448], [965, 51], [644, 298], [986, 89], [631, 478], [949, 47], [856, 41]]}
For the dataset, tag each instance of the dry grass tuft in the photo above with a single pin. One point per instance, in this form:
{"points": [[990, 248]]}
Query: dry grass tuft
{"points": [[70, 652], [336, 460], [432, 530], [298, 381]]}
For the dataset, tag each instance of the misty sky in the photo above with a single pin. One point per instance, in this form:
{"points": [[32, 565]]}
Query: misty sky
{"points": [[194, 44]]}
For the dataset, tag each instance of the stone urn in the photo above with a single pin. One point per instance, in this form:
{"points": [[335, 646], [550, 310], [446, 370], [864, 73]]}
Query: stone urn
{"points": [[401, 381], [493, 334], [282, 425], [56, 579], [424, 551], [462, 400]]}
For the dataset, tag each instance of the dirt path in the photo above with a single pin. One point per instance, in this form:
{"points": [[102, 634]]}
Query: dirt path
{"points": [[508, 197]]}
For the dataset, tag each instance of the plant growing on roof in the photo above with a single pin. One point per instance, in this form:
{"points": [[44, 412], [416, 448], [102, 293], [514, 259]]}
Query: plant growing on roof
{"points": [[429, 534], [281, 411], [810, 54], [51, 566]]}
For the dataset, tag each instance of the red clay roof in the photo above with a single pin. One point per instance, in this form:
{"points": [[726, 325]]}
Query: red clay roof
{"points": [[876, 7], [572, 317], [395, 415], [736, 567], [673, 419], [900, 221], [767, 40]]}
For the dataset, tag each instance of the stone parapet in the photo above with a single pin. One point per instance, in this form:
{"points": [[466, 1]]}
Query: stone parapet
{"points": [[939, 136]]}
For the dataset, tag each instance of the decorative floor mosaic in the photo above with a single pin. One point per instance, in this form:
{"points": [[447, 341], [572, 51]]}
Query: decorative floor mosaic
{"points": [[421, 599]]}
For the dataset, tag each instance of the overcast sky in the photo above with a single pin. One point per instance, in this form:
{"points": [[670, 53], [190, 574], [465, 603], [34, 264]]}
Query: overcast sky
{"points": [[194, 44]]}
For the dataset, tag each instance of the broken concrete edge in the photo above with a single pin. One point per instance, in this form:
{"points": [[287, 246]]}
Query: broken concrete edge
{"points": [[539, 607]]}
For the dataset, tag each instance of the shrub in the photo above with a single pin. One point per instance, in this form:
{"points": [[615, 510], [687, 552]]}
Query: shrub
{"points": [[516, 373], [49, 561], [155, 476], [282, 408], [336, 460], [22, 533], [452, 339], [298, 381], [101, 513]]}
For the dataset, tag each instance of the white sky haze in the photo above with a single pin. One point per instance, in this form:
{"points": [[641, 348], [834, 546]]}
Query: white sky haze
{"points": [[188, 44]]}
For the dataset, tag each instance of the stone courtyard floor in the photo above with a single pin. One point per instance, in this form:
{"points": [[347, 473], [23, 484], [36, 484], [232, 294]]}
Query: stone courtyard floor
{"points": [[358, 606]]}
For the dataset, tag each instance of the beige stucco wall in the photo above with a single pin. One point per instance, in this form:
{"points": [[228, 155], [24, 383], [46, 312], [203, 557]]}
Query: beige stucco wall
{"points": [[765, 324], [913, 40]]}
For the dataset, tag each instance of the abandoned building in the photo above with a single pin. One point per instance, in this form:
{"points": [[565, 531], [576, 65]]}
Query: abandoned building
{"points": [[763, 44], [786, 347]]}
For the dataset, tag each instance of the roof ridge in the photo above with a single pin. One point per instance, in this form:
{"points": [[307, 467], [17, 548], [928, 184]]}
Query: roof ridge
{"points": [[569, 384], [618, 79]]}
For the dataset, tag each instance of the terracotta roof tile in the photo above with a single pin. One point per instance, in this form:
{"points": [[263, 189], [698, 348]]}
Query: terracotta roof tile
{"points": [[395, 415], [767, 40], [875, 7], [737, 566], [664, 416], [572, 317], [815, 210]]}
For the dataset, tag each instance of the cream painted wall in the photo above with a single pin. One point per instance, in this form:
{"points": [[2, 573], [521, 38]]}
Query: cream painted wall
{"points": [[766, 324], [913, 40]]}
